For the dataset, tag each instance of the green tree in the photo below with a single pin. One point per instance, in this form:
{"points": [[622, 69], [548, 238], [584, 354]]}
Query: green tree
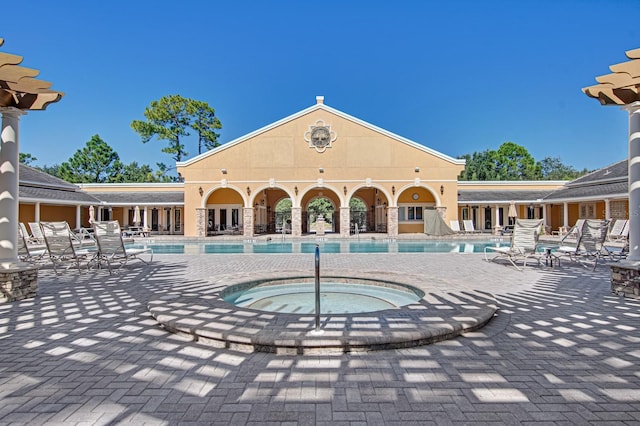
{"points": [[26, 158], [320, 206], [510, 162], [513, 162], [554, 169], [284, 205], [167, 119], [162, 174], [480, 166], [96, 163], [170, 119], [53, 170], [204, 122], [132, 172]]}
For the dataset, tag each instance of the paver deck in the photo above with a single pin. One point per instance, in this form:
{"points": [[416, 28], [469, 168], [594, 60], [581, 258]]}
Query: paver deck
{"points": [[562, 349]]}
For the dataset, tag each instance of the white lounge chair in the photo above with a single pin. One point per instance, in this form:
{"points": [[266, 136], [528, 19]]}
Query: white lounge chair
{"points": [[111, 247], [36, 232], [590, 244], [58, 238], [29, 251], [523, 244], [454, 225], [469, 226], [619, 230]]}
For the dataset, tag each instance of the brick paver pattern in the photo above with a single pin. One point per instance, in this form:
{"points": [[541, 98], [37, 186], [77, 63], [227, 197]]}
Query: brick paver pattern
{"points": [[562, 349]]}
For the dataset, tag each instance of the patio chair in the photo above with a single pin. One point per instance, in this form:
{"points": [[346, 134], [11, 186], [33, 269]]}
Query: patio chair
{"points": [[523, 244], [455, 226], [590, 244], [111, 246], [28, 238], [60, 247], [619, 230], [469, 227], [36, 232], [29, 251]]}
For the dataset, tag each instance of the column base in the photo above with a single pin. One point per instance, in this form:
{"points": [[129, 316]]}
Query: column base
{"points": [[625, 278], [18, 281]]}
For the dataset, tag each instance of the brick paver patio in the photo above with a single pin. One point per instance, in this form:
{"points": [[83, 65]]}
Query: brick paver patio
{"points": [[562, 349]]}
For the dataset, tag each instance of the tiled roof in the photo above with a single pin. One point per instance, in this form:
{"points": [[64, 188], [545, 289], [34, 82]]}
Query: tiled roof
{"points": [[34, 177], [39, 186], [604, 190], [500, 196], [616, 171], [134, 198], [55, 195]]}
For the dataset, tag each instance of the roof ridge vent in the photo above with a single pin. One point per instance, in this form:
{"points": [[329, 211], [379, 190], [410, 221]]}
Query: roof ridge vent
{"points": [[319, 100]]}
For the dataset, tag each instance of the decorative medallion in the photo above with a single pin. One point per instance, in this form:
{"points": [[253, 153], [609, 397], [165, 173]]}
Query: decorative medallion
{"points": [[320, 136]]}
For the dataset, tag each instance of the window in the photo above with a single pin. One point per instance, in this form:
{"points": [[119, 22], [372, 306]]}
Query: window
{"points": [[618, 209], [410, 213], [587, 210]]}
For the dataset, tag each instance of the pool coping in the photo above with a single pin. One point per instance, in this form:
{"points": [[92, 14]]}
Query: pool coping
{"points": [[203, 316]]}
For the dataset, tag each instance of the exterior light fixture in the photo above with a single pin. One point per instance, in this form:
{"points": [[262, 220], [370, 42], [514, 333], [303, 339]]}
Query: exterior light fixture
{"points": [[441, 189], [344, 188], [321, 170], [295, 189], [393, 190], [248, 191], [200, 191], [224, 171], [417, 170]]}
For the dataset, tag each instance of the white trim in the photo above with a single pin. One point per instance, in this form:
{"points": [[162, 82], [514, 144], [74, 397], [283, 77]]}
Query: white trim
{"points": [[131, 185], [332, 111], [463, 183], [56, 202]]}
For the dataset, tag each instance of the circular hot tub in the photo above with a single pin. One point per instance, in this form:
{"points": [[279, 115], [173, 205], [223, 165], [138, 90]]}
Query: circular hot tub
{"points": [[337, 296]]}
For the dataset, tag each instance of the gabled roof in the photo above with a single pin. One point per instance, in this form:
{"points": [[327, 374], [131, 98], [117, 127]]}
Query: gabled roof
{"points": [[613, 172], [34, 177], [35, 185], [316, 107], [607, 182], [594, 192]]}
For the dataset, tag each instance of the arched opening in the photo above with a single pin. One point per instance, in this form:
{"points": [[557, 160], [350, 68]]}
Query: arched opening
{"points": [[224, 212], [374, 219], [358, 215], [411, 205], [267, 219], [282, 218], [319, 209]]}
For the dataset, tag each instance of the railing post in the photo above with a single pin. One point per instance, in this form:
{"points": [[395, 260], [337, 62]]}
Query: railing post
{"points": [[317, 287]]}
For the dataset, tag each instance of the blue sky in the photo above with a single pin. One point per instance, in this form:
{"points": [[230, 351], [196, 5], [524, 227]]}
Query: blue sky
{"points": [[456, 76]]}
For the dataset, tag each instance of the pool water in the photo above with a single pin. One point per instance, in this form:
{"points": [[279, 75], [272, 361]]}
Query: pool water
{"points": [[335, 298], [338, 246]]}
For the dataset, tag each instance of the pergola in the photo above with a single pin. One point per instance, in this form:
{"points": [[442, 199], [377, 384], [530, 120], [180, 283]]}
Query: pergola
{"points": [[622, 87], [20, 91]]}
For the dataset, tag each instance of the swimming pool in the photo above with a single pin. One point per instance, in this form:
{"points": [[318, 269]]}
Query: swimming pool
{"points": [[338, 246]]}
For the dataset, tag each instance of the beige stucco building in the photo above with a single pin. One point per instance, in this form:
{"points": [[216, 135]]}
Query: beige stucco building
{"points": [[323, 153], [319, 152]]}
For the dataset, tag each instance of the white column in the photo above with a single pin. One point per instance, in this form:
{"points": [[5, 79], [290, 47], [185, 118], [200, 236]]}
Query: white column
{"points": [[78, 218], [607, 209], [9, 203], [37, 212], [634, 181], [565, 214], [144, 217], [544, 214]]}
